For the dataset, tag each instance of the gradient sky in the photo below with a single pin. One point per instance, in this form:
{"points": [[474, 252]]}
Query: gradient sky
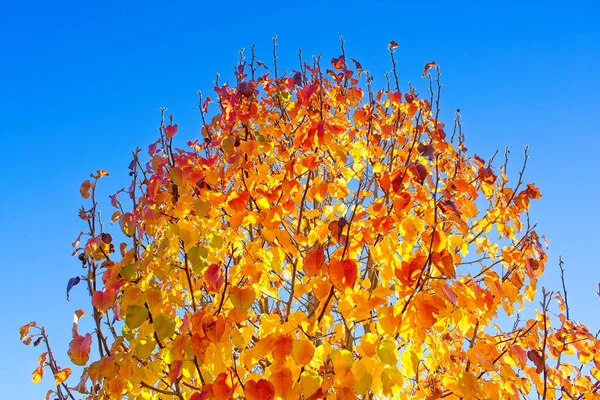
{"points": [[81, 84]]}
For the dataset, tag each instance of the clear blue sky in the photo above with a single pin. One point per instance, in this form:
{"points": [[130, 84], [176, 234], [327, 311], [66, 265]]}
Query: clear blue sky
{"points": [[81, 84]]}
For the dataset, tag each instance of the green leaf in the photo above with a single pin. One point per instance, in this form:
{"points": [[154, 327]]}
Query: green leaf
{"points": [[202, 207], [129, 271], [135, 316], [164, 326], [144, 348], [216, 242], [196, 256]]}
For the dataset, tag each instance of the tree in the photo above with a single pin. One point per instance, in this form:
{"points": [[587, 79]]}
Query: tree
{"points": [[321, 240]]}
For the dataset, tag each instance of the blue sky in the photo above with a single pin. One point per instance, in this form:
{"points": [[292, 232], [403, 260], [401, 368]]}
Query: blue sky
{"points": [[81, 84]]}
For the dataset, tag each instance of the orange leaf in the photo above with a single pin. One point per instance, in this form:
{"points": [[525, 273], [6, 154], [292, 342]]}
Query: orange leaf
{"points": [[427, 67], [409, 272], [444, 263], [401, 201], [37, 375], [343, 274], [24, 330], [103, 300], [62, 376], [303, 351], [79, 349], [239, 201], [282, 381], [199, 344], [214, 327], [223, 385], [282, 347], [261, 390], [85, 189]]}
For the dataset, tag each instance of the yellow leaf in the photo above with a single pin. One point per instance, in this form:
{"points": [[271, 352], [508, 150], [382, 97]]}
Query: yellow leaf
{"points": [[310, 383], [36, 376], [62, 376], [409, 361], [386, 351]]}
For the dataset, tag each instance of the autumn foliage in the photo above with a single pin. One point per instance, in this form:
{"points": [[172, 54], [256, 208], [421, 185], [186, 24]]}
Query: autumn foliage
{"points": [[322, 239]]}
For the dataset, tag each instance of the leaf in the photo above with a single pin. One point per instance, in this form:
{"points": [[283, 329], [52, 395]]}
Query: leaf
{"points": [[164, 326], [127, 223], [223, 385], [427, 67], [213, 277], [79, 349], [202, 207], [444, 263], [282, 348], [103, 300], [76, 316], [242, 298], [536, 357], [409, 361], [24, 330], [261, 390], [387, 353], [36, 376], [175, 371], [343, 274], [342, 361], [199, 344], [282, 382], [449, 293], [72, 282], [239, 201], [170, 131], [214, 327], [314, 261], [310, 383], [135, 316], [338, 63], [303, 351], [85, 189], [409, 272], [62, 375]]}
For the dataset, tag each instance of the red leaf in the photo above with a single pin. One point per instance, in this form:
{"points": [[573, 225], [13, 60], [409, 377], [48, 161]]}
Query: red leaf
{"points": [[449, 293], [213, 277], [338, 63], [170, 131], [261, 390], [538, 360], [418, 172]]}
